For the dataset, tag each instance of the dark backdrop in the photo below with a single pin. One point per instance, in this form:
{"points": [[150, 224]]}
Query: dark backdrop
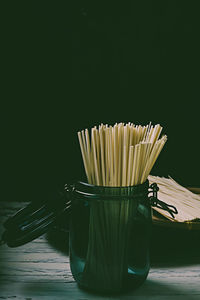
{"points": [[74, 64]]}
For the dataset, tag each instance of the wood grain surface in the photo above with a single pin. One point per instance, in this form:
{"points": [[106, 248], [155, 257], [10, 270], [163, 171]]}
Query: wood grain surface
{"points": [[40, 270]]}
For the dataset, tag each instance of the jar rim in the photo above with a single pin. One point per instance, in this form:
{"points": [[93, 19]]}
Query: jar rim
{"points": [[113, 187], [85, 190]]}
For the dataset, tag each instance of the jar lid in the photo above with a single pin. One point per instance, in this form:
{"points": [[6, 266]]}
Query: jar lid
{"points": [[34, 220]]}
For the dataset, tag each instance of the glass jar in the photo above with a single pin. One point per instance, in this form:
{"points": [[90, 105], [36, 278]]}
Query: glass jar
{"points": [[109, 236]]}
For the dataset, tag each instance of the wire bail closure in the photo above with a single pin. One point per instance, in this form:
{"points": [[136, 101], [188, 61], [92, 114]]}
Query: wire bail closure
{"points": [[68, 191], [155, 202], [153, 198]]}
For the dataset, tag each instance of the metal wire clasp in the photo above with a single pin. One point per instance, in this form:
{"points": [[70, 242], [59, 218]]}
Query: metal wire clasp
{"points": [[68, 190], [155, 202]]}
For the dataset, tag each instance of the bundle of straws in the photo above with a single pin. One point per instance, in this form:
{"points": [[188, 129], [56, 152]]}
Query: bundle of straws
{"points": [[120, 155], [171, 192], [115, 156]]}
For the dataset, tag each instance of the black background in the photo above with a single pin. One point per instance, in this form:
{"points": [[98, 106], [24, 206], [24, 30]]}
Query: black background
{"points": [[71, 65]]}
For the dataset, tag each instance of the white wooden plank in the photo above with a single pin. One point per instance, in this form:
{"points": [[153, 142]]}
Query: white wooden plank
{"points": [[39, 278], [183, 271], [36, 246], [50, 257], [26, 268], [82, 297]]}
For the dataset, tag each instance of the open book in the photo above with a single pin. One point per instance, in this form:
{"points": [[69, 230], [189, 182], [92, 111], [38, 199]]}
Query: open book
{"points": [[186, 202]]}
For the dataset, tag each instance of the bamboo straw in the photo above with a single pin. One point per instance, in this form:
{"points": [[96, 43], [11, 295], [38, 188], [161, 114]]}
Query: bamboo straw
{"points": [[84, 157], [101, 136], [130, 166], [95, 157]]}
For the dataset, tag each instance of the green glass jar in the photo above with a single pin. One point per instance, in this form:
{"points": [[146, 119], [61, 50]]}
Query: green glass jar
{"points": [[109, 236]]}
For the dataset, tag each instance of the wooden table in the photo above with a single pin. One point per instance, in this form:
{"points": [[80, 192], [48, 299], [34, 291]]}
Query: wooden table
{"points": [[40, 270]]}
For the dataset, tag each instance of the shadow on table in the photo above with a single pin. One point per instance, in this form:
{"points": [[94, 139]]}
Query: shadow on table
{"points": [[59, 239]]}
